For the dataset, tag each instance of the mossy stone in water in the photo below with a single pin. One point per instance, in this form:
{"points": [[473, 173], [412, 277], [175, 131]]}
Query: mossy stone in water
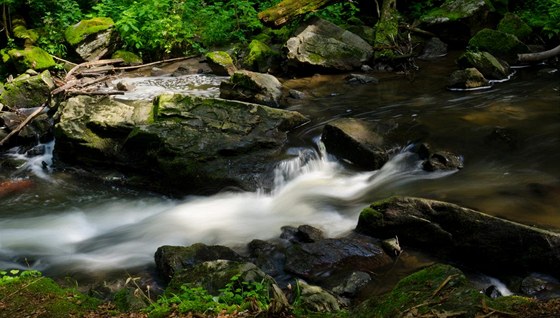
{"points": [[80, 31], [27, 91]]}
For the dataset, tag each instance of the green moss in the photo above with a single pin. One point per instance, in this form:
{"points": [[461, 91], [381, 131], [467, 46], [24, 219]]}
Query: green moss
{"points": [[436, 289], [220, 57], [21, 32], [129, 58], [32, 295], [80, 31], [258, 54], [498, 43], [31, 58], [27, 91], [512, 24]]}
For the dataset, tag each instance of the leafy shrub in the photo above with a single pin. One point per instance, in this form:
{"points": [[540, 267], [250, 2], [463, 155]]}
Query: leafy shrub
{"points": [[542, 14], [339, 13], [237, 295], [16, 275], [181, 27]]}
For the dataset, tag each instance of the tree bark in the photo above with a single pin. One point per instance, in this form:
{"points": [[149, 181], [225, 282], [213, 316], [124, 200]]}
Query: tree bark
{"points": [[539, 56], [286, 10]]}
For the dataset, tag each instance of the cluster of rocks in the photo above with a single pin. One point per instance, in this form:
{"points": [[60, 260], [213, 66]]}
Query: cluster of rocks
{"points": [[330, 274]]}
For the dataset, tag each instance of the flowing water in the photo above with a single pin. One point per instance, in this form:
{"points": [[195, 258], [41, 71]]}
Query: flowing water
{"points": [[64, 224]]}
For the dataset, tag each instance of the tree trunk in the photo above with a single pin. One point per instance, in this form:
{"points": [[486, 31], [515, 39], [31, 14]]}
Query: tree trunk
{"points": [[286, 10], [539, 56]]}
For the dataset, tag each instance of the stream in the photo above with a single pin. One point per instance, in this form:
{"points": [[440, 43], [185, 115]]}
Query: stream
{"points": [[508, 135]]}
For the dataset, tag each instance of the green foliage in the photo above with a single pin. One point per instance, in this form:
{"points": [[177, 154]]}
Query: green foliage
{"points": [[542, 14], [339, 13], [237, 295], [416, 9], [16, 275], [153, 27], [54, 17]]}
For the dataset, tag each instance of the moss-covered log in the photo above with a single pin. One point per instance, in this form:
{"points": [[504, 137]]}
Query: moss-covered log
{"points": [[286, 10]]}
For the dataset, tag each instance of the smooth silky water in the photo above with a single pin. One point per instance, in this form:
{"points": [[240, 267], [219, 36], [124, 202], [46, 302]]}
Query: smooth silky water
{"points": [[65, 225]]}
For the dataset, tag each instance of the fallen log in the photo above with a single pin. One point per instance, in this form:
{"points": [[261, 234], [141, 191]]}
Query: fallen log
{"points": [[539, 56], [287, 10], [89, 65]]}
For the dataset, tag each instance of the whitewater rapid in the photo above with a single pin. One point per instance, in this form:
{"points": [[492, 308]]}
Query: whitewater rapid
{"points": [[122, 233]]}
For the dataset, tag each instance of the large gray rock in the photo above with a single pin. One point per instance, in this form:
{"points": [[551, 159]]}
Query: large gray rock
{"points": [[252, 87], [180, 144], [323, 44], [356, 141], [449, 231]]}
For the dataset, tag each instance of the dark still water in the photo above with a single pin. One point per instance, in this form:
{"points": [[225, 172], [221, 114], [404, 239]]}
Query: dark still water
{"points": [[509, 136]]}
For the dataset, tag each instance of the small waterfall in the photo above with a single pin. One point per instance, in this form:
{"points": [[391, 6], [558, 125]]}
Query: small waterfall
{"points": [[37, 161], [125, 232]]}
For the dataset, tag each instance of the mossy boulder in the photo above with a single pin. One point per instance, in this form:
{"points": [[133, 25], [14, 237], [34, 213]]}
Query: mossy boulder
{"points": [[485, 242], [324, 45], [438, 291], [261, 57], [92, 39], [455, 21], [79, 32], [27, 91], [128, 57], [486, 63], [512, 24], [212, 143], [31, 57], [500, 44], [221, 63]]}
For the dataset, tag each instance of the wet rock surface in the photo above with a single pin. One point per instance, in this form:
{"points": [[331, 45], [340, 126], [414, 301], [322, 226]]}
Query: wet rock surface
{"points": [[463, 234], [213, 143]]}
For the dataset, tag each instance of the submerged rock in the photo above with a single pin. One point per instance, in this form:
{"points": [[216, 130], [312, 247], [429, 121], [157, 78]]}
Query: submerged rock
{"points": [[469, 78], [325, 45], [177, 144], [448, 230]]}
